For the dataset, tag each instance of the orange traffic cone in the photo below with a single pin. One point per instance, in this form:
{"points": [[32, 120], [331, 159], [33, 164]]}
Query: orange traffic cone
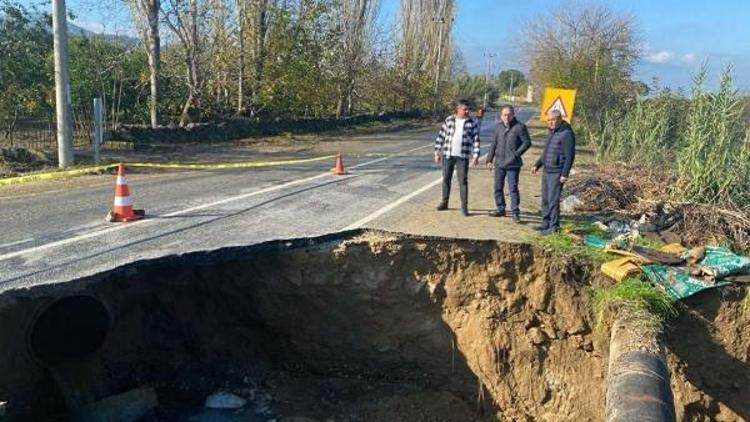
{"points": [[123, 207], [339, 169]]}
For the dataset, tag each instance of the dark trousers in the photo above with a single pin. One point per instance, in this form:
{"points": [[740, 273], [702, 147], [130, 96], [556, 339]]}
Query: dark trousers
{"points": [[515, 198], [551, 188], [461, 165]]}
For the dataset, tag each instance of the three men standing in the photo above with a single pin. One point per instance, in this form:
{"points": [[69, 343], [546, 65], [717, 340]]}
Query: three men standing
{"points": [[456, 145], [504, 158]]}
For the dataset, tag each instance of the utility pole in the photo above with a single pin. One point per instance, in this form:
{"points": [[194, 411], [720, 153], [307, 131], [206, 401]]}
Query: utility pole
{"points": [[490, 57], [62, 85], [440, 22]]}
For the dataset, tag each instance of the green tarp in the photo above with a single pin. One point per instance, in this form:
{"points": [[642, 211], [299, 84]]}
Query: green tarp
{"points": [[721, 262], [676, 282], [717, 263], [595, 241]]}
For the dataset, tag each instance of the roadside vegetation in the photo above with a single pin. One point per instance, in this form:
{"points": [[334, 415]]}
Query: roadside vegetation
{"points": [[653, 145], [701, 140], [496, 90], [200, 61], [564, 248], [633, 295]]}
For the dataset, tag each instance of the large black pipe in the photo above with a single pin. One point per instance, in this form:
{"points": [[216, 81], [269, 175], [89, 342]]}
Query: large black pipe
{"points": [[638, 388], [65, 338], [69, 329]]}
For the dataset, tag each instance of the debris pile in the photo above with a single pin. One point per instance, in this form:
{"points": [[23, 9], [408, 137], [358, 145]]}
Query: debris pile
{"points": [[680, 272], [639, 195]]}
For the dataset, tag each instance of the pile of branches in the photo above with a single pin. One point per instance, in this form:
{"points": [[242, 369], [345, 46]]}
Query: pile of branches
{"points": [[614, 187], [638, 191], [708, 224]]}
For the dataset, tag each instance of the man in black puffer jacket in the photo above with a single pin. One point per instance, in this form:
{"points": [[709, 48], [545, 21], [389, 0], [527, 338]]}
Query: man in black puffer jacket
{"points": [[557, 160], [510, 142]]}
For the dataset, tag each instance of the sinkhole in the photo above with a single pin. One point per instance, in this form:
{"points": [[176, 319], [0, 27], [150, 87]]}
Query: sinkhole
{"points": [[355, 326]]}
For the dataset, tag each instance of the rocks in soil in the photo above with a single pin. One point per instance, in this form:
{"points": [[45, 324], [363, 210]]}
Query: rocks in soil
{"points": [[537, 336], [225, 400], [571, 204]]}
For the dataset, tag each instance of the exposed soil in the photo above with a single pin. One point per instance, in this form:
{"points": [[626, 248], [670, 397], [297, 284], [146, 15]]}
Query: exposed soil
{"points": [[709, 355], [356, 327]]}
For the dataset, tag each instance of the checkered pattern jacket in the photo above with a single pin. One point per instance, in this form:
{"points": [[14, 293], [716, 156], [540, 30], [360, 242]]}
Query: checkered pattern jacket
{"points": [[470, 146]]}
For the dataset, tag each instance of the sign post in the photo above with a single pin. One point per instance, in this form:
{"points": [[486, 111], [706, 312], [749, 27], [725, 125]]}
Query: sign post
{"points": [[98, 129], [560, 99]]}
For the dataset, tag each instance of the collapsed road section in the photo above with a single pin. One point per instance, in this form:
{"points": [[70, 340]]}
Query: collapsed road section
{"points": [[357, 326]]}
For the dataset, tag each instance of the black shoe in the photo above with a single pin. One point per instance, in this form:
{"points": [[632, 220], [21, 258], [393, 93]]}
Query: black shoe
{"points": [[541, 228], [497, 213], [516, 219], [442, 206], [465, 212], [549, 231]]}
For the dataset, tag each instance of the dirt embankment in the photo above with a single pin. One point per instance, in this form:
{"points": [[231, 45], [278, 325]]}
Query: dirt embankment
{"points": [[375, 327], [709, 356]]}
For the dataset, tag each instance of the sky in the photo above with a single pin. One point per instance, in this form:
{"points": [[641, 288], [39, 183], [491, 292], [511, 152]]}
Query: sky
{"points": [[677, 35]]}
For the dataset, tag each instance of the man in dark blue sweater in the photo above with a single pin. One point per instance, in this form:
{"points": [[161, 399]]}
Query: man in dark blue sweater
{"points": [[557, 159]]}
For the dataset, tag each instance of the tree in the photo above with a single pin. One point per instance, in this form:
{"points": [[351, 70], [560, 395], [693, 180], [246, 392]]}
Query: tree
{"points": [[146, 18], [184, 18], [296, 78], [105, 68], [509, 80], [25, 45], [253, 22], [590, 48], [424, 45], [353, 21], [473, 88], [219, 51]]}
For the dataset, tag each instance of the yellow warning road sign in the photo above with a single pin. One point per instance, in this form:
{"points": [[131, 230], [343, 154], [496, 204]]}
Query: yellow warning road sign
{"points": [[559, 99]]}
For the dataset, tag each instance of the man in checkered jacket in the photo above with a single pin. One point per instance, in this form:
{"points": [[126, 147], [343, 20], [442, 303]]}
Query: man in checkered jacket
{"points": [[456, 145]]}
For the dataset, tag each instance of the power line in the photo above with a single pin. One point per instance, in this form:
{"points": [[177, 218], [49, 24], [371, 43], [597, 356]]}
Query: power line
{"points": [[471, 39]]}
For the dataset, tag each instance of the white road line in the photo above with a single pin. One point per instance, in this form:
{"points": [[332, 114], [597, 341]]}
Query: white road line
{"points": [[399, 202], [391, 156], [140, 223], [7, 245], [392, 206]]}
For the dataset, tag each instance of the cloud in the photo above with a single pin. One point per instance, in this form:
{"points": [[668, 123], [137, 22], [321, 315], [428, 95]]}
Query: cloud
{"points": [[660, 57], [689, 58]]}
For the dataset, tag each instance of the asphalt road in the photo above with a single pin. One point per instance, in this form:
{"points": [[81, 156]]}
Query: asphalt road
{"points": [[60, 235]]}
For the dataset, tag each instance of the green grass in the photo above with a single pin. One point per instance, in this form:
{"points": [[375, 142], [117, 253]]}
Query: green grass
{"points": [[563, 247], [635, 294], [648, 243], [585, 228]]}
